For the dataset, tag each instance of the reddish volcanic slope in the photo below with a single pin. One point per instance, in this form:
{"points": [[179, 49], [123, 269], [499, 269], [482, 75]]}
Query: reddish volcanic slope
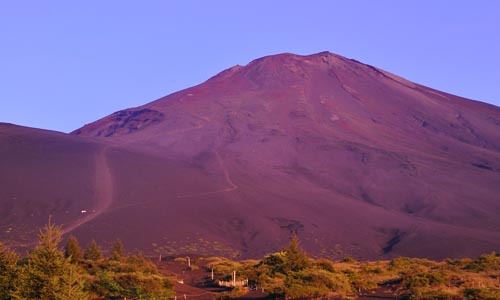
{"points": [[42, 173], [357, 160]]}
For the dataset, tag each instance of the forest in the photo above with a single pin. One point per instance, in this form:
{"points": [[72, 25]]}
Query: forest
{"points": [[51, 271]]}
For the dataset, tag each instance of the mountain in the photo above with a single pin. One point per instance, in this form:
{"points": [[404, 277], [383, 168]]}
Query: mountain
{"points": [[357, 160]]}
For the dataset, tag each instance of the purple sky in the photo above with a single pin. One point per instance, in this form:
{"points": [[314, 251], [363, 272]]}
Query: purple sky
{"points": [[67, 63]]}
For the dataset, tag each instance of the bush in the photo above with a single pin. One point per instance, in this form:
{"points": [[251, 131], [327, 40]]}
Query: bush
{"points": [[482, 293], [424, 279], [429, 295], [402, 264], [360, 281], [372, 270], [325, 264], [8, 272], [349, 260], [275, 262], [313, 283], [134, 278], [486, 262]]}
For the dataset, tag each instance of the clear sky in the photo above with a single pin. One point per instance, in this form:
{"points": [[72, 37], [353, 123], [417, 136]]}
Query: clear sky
{"points": [[67, 63]]}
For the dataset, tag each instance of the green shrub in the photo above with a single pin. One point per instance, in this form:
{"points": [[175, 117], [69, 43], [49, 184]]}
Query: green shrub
{"points": [[325, 264], [275, 262], [491, 293], [402, 264], [424, 279], [371, 270], [427, 294], [8, 273], [349, 260], [485, 262]]}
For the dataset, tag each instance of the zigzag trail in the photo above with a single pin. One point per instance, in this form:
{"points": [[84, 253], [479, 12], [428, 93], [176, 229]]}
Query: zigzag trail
{"points": [[227, 177]]}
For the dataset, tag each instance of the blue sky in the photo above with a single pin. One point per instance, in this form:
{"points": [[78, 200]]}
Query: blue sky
{"points": [[67, 63]]}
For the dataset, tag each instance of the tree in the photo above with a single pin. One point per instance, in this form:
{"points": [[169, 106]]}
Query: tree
{"points": [[8, 273], [93, 252], [72, 250], [296, 258], [47, 274], [73, 285], [133, 277], [117, 252]]}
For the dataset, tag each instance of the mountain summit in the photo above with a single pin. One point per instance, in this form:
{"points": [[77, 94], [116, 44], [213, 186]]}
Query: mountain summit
{"points": [[354, 159]]}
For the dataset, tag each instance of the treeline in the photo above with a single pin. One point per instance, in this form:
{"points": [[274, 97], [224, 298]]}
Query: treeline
{"points": [[48, 273], [292, 274]]}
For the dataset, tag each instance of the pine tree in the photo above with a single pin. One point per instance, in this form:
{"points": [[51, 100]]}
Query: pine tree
{"points": [[73, 285], [296, 258], [72, 250], [117, 252], [93, 252], [46, 274], [8, 273]]}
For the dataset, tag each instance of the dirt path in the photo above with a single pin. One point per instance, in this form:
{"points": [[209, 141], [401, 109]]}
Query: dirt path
{"points": [[230, 183], [103, 190], [226, 173]]}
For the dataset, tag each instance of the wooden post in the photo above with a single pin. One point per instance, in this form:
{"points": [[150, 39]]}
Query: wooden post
{"points": [[234, 278], [159, 258], [212, 275], [189, 262]]}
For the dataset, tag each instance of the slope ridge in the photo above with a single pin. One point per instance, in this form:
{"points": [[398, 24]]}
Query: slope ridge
{"points": [[355, 159]]}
